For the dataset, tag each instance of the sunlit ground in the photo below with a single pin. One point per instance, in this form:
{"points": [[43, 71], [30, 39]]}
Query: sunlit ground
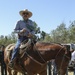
{"points": [[69, 72]]}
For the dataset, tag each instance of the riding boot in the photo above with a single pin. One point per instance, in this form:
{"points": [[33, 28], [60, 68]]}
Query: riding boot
{"points": [[11, 63], [14, 55]]}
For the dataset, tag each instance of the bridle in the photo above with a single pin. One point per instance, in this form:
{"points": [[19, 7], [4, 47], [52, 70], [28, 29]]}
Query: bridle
{"points": [[62, 58], [64, 53]]}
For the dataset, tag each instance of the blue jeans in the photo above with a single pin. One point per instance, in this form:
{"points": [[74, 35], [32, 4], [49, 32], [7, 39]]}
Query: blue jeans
{"points": [[15, 51]]}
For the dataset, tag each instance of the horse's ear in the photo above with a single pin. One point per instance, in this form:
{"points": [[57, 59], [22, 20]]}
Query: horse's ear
{"points": [[72, 50]]}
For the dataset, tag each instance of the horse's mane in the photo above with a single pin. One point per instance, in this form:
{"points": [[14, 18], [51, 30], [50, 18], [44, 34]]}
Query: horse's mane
{"points": [[46, 43]]}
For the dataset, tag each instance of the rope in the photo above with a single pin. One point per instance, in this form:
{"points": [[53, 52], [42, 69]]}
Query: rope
{"points": [[59, 51], [25, 51], [33, 59], [39, 54]]}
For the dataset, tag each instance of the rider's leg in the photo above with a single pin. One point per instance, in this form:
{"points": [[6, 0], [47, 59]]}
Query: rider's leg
{"points": [[15, 51], [14, 54]]}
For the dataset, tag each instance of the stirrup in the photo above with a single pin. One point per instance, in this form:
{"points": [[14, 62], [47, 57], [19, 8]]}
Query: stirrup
{"points": [[11, 65]]}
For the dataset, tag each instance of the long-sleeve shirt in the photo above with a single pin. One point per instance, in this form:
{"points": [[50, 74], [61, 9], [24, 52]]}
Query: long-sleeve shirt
{"points": [[23, 24]]}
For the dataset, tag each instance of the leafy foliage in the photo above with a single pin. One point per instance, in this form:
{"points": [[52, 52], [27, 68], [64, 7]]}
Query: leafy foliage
{"points": [[61, 34]]}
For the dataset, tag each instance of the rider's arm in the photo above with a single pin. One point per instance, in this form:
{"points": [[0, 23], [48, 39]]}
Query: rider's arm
{"points": [[18, 28], [32, 33]]}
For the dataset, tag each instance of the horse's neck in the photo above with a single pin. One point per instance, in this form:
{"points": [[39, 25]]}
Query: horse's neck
{"points": [[45, 51], [48, 54], [48, 51]]}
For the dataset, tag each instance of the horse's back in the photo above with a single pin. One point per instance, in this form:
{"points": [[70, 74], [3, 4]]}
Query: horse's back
{"points": [[45, 45]]}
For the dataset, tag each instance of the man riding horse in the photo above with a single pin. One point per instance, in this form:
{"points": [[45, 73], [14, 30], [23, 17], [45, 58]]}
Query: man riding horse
{"points": [[37, 55], [25, 29]]}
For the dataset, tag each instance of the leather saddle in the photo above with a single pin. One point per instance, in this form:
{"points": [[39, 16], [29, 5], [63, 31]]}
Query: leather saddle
{"points": [[24, 46]]}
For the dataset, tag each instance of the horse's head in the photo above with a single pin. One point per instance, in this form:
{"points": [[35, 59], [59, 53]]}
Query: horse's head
{"points": [[68, 52]]}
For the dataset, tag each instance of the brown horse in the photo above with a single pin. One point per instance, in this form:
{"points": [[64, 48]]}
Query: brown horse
{"points": [[36, 56], [7, 59]]}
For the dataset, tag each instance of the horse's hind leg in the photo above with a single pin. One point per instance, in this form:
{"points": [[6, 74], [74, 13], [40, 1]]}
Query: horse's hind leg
{"points": [[43, 73]]}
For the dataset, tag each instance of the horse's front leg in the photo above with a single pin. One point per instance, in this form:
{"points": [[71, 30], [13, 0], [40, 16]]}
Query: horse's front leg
{"points": [[9, 71], [29, 73], [61, 66], [15, 72]]}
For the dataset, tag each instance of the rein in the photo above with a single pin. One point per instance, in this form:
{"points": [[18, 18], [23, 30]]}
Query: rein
{"points": [[39, 54], [33, 58], [25, 52], [59, 51]]}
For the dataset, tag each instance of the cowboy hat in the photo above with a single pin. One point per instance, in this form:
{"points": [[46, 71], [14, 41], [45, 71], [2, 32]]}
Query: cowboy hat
{"points": [[25, 11]]}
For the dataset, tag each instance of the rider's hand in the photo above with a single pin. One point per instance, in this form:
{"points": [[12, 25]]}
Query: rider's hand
{"points": [[30, 35], [23, 30]]}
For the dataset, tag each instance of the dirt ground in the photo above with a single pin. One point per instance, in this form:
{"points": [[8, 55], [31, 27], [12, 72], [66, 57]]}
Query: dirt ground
{"points": [[69, 72]]}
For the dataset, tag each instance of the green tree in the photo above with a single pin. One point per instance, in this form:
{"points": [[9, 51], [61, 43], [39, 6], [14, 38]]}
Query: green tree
{"points": [[71, 31], [60, 33], [42, 35], [48, 38]]}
